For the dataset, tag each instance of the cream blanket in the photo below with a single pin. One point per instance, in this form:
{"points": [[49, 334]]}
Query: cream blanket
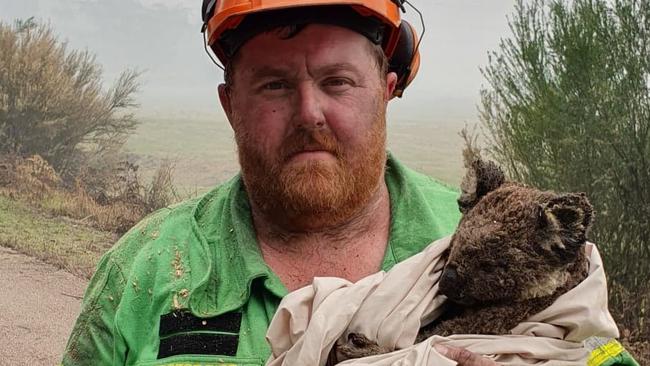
{"points": [[391, 306]]}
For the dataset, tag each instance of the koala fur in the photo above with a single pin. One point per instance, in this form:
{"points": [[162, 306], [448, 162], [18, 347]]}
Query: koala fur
{"points": [[515, 251]]}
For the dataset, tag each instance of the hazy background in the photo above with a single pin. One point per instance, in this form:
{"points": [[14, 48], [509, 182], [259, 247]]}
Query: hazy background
{"points": [[180, 114]]}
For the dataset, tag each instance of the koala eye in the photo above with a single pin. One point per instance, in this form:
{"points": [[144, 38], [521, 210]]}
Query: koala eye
{"points": [[493, 266], [487, 267]]}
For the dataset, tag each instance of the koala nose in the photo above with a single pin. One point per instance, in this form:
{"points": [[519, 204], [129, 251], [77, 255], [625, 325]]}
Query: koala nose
{"points": [[450, 278], [450, 282], [450, 274]]}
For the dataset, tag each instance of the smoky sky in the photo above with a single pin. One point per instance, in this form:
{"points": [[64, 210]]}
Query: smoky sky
{"points": [[162, 38]]}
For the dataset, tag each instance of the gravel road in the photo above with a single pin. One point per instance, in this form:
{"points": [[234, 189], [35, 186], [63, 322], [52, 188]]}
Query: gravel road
{"points": [[39, 306]]}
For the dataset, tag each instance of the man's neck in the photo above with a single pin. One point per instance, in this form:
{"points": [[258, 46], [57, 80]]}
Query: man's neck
{"points": [[351, 250]]}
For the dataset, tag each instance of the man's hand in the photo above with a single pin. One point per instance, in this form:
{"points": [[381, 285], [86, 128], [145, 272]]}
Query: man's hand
{"points": [[463, 356]]}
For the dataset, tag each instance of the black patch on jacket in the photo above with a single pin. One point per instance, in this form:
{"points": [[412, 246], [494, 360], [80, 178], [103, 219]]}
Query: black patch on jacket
{"points": [[183, 333], [198, 344], [181, 321]]}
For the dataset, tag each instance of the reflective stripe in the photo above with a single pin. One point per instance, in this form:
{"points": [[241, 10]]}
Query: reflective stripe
{"points": [[201, 364], [605, 352]]}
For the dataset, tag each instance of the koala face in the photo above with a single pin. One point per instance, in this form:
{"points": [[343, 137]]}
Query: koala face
{"points": [[513, 243]]}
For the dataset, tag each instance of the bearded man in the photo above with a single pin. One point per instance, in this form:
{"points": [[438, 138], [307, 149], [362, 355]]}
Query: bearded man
{"points": [[306, 94]]}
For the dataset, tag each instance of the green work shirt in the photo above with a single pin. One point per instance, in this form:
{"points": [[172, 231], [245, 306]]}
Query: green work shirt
{"points": [[188, 285]]}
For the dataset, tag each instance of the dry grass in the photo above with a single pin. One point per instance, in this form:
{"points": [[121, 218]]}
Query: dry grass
{"points": [[116, 217], [31, 177], [62, 242], [67, 227], [33, 181]]}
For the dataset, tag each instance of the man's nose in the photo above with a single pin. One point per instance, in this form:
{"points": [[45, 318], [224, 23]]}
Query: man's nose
{"points": [[309, 107]]}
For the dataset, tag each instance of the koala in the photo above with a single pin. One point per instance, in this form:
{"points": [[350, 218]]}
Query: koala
{"points": [[515, 251]]}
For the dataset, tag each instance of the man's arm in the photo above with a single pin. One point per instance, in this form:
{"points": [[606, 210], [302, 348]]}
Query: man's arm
{"points": [[93, 340]]}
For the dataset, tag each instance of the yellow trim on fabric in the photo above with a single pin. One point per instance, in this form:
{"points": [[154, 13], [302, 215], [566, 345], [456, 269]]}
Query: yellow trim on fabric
{"points": [[605, 352], [203, 360], [200, 364]]}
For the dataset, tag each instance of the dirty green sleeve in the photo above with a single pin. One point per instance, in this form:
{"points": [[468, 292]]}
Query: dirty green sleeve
{"points": [[93, 340]]}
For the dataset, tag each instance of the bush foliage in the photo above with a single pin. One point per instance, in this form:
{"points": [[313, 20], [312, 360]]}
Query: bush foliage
{"points": [[567, 107], [61, 134], [52, 103]]}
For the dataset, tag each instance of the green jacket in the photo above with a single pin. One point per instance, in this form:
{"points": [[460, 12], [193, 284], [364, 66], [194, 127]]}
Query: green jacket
{"points": [[188, 285]]}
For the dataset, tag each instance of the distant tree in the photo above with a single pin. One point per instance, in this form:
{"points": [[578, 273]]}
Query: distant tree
{"points": [[52, 102], [567, 107]]}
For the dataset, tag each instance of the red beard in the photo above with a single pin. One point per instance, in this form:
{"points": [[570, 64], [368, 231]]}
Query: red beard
{"points": [[313, 195]]}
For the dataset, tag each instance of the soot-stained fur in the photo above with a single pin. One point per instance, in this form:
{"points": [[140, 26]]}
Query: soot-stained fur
{"points": [[515, 251]]}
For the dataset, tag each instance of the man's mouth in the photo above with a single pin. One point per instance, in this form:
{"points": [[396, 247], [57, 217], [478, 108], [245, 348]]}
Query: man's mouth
{"points": [[313, 149], [310, 152]]}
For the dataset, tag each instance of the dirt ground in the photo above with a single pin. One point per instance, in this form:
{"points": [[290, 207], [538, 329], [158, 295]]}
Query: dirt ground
{"points": [[39, 306]]}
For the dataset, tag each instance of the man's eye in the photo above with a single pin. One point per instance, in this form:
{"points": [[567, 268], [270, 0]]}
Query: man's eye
{"points": [[337, 82], [274, 85]]}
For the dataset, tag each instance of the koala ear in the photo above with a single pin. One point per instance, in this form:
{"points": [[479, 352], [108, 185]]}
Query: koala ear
{"points": [[568, 217], [481, 178]]}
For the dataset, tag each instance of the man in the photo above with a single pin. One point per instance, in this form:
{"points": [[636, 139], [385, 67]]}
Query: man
{"points": [[306, 93]]}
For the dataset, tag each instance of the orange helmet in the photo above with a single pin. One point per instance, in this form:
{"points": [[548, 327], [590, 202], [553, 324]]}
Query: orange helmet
{"points": [[230, 23]]}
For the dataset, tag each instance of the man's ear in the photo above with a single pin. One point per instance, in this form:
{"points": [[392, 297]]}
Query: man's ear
{"points": [[567, 217], [224, 98], [481, 178], [391, 84]]}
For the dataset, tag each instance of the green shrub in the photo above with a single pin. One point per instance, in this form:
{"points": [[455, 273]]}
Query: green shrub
{"points": [[567, 107]]}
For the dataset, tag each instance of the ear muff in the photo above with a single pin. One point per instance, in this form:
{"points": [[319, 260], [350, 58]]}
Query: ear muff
{"points": [[405, 61], [207, 10]]}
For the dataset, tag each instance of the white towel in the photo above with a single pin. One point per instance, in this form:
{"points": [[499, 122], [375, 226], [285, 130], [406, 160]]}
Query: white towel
{"points": [[391, 306]]}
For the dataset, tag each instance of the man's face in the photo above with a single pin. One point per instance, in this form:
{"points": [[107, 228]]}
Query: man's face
{"points": [[309, 119]]}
